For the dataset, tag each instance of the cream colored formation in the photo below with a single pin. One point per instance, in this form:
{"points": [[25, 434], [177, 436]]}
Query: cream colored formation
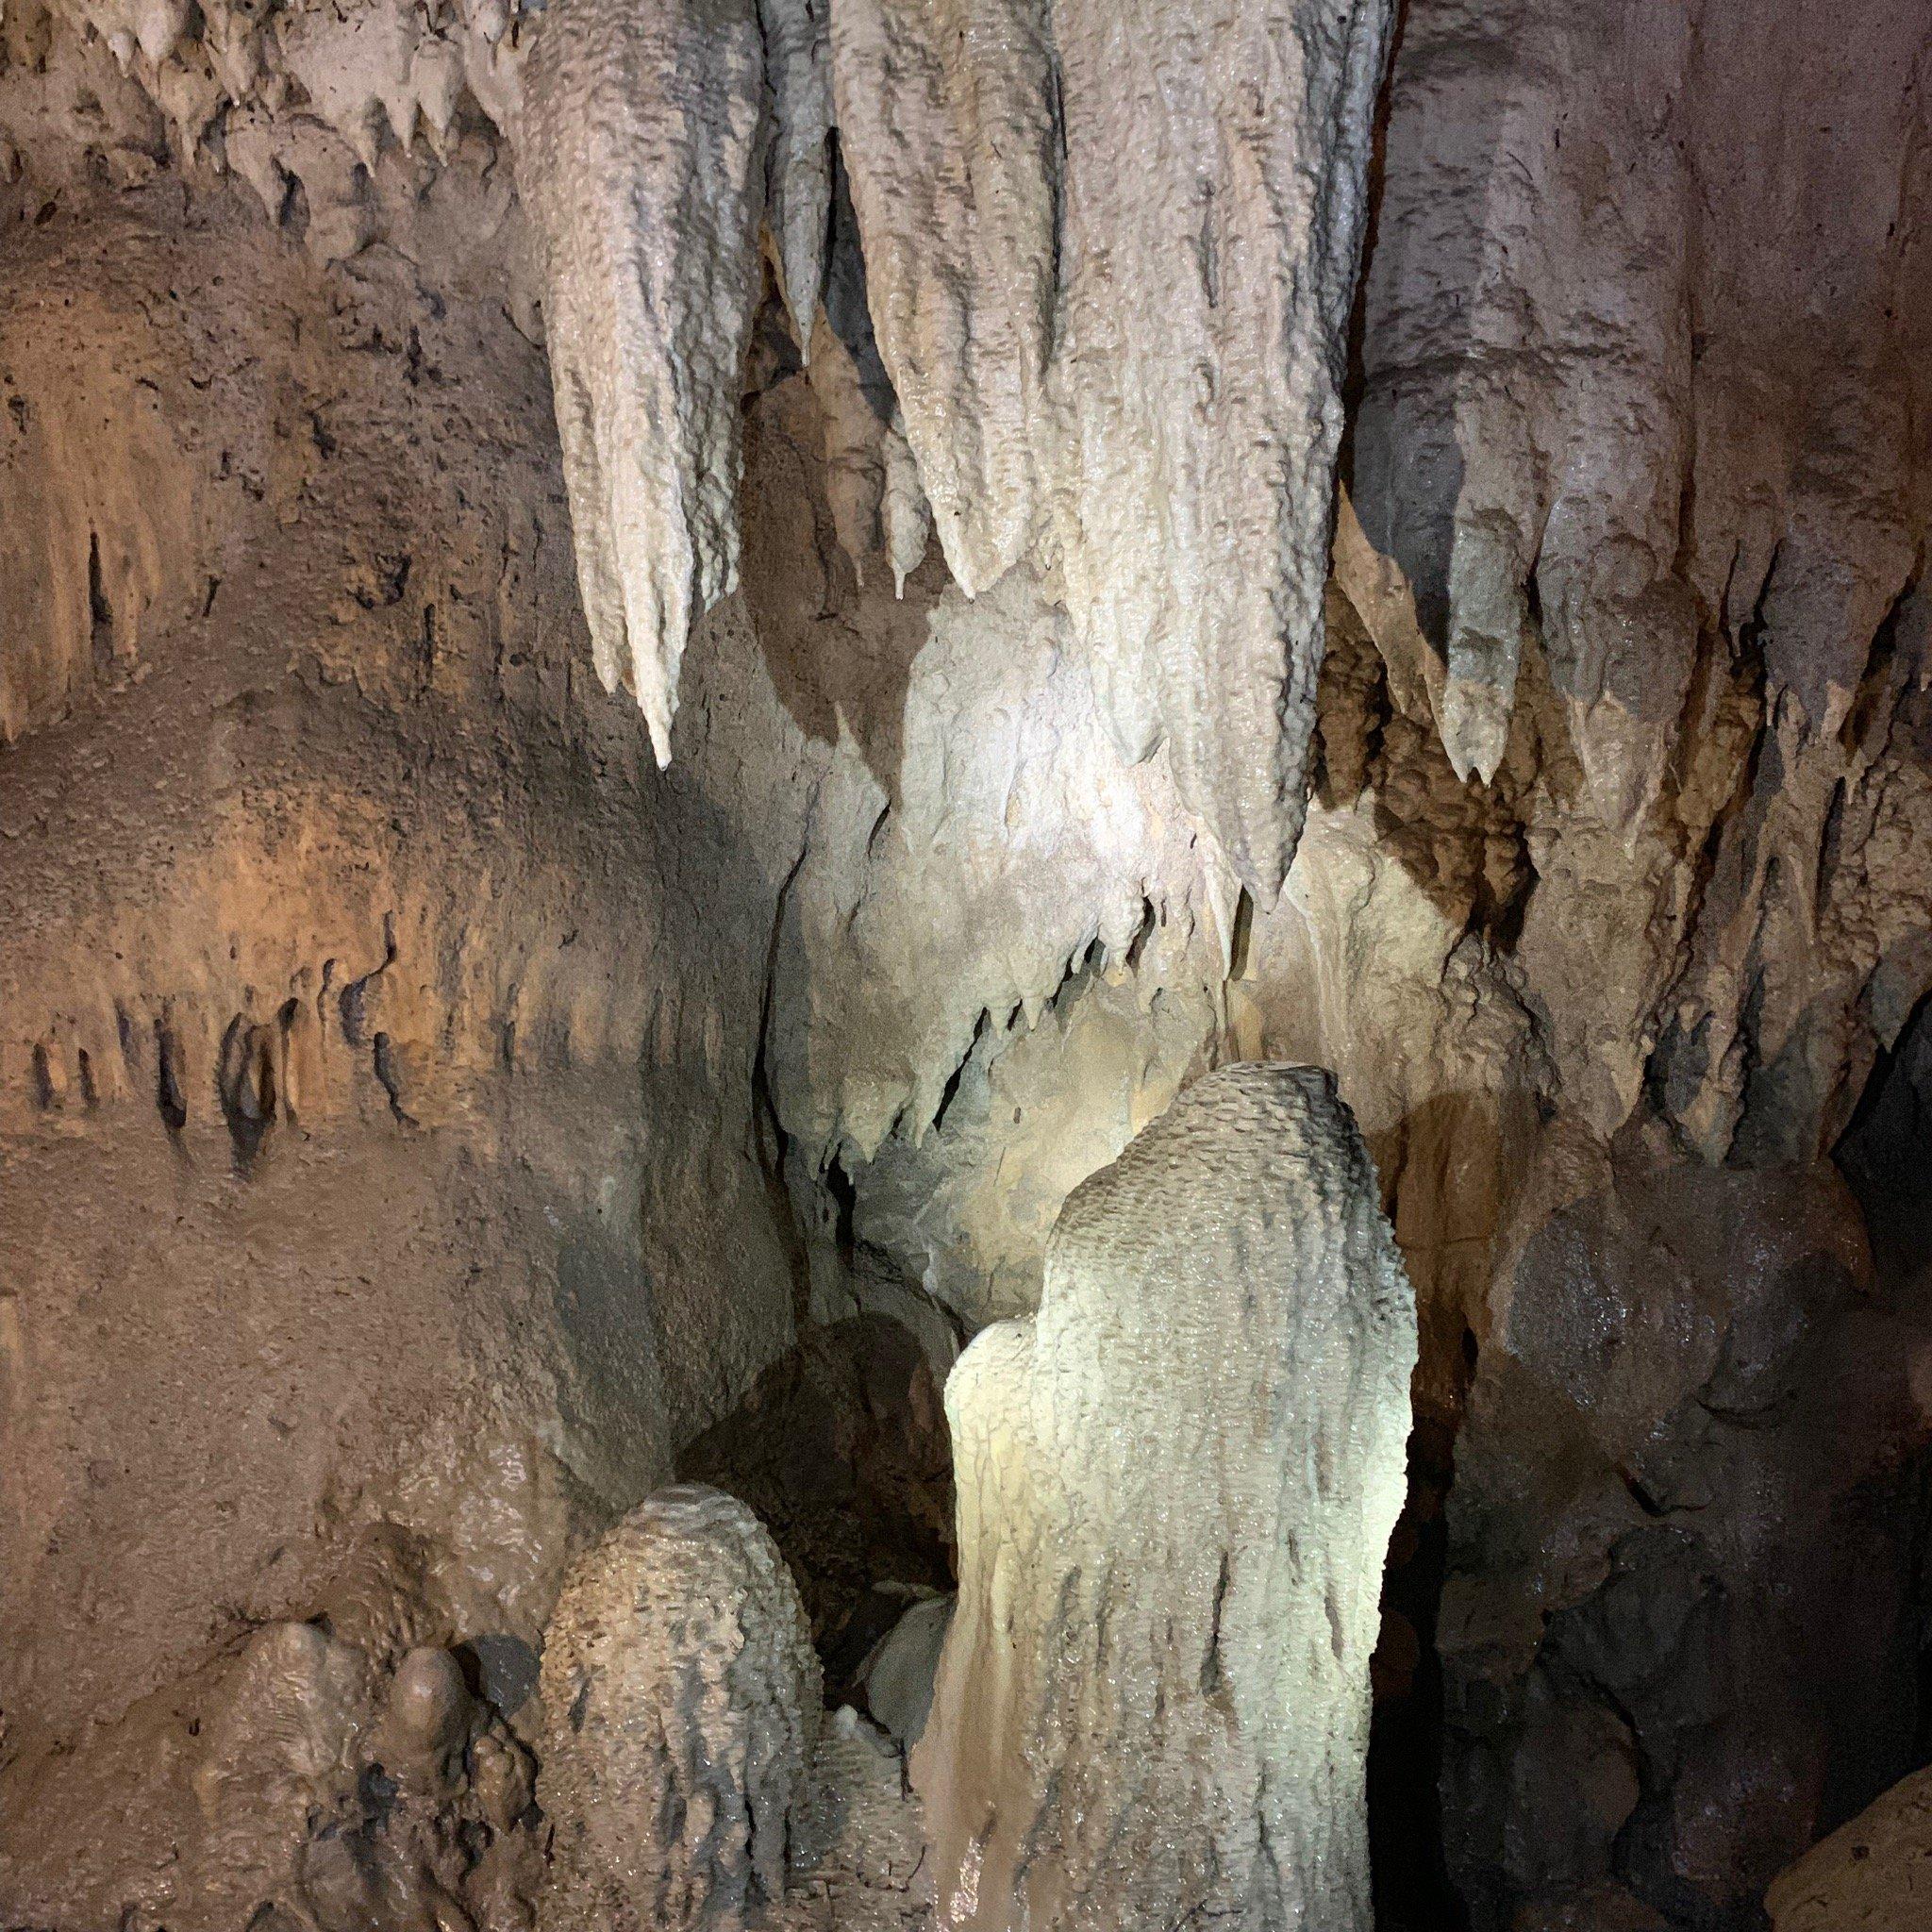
{"points": [[681, 1700], [1029, 198], [515, 1099], [1110, 253], [639, 165], [1177, 1487]]}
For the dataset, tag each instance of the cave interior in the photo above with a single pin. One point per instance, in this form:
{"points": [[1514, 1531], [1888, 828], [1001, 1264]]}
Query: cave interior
{"points": [[965, 965]]}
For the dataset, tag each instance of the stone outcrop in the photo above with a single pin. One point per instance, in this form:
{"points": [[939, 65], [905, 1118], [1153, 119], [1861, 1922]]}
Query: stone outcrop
{"points": [[1874, 1874], [426, 1123], [1682, 1541], [681, 1708], [304, 1780], [1177, 1487]]}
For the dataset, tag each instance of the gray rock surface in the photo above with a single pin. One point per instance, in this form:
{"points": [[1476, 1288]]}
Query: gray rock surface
{"points": [[681, 1708]]}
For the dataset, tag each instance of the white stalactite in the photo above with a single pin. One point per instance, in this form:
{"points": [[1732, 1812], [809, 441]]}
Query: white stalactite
{"points": [[799, 170], [638, 158], [949, 127], [1111, 251], [1215, 199]]}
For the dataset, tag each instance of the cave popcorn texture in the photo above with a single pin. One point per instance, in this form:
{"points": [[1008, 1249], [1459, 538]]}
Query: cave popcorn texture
{"points": [[1176, 1485]]}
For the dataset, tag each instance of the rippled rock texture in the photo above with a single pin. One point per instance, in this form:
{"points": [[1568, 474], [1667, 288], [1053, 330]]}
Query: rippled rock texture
{"points": [[1465, 466], [681, 1701], [1176, 1485]]}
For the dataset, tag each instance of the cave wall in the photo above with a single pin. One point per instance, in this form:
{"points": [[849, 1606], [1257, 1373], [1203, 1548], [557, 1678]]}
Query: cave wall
{"points": [[421, 1112], [336, 1150]]}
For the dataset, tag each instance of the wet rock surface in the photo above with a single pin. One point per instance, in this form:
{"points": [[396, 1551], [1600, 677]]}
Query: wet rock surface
{"points": [[425, 1125], [1177, 1482], [682, 1706]]}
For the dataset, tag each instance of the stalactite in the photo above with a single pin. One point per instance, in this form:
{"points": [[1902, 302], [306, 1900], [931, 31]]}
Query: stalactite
{"points": [[799, 169], [1111, 252], [1214, 207], [638, 157], [948, 123]]}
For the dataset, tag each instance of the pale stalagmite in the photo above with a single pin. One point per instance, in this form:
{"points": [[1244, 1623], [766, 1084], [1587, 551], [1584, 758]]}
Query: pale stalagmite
{"points": [[1176, 1485], [638, 157], [681, 1702]]}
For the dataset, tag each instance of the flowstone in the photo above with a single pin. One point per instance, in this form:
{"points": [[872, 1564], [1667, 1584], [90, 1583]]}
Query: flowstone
{"points": [[681, 1699], [1176, 1485]]}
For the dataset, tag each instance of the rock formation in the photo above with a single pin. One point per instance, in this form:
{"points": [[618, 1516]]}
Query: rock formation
{"points": [[1177, 1487], [639, 165], [681, 1705], [1133, 369], [1875, 1874], [428, 1126], [1681, 1551], [302, 1781]]}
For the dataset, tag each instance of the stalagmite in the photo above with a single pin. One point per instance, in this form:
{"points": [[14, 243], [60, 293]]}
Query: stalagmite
{"points": [[1177, 1483], [681, 1696], [638, 159]]}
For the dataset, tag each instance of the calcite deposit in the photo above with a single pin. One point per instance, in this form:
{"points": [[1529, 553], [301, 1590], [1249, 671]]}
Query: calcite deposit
{"points": [[1176, 1485], [640, 167], [1111, 254], [681, 1701], [1162, 538]]}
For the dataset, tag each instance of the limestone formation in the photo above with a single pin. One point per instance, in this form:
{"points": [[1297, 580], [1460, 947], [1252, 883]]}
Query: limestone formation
{"points": [[300, 1781], [949, 123], [798, 193], [1111, 254], [426, 1125], [1213, 211], [1177, 1487], [898, 1673], [639, 160], [682, 1706], [1679, 1549], [1874, 1874]]}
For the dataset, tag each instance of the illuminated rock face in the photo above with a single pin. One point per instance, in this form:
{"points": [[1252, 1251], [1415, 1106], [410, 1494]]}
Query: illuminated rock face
{"points": [[681, 1703], [1176, 1485], [1111, 250], [423, 1119], [1874, 1873], [641, 147]]}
